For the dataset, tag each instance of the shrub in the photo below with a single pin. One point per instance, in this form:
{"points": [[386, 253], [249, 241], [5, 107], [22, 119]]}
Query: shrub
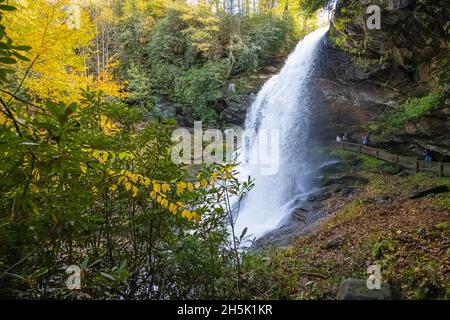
{"points": [[200, 87], [412, 109]]}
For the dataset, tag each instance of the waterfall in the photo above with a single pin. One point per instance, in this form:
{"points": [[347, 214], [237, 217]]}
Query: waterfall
{"points": [[282, 106]]}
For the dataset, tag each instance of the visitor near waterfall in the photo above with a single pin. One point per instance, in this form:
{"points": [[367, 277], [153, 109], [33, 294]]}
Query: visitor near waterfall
{"points": [[342, 137], [428, 157], [365, 140]]}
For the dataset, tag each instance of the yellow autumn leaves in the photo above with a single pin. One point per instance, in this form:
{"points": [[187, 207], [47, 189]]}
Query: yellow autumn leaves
{"points": [[3, 119], [130, 182], [58, 68], [157, 190], [60, 54], [108, 127], [102, 156]]}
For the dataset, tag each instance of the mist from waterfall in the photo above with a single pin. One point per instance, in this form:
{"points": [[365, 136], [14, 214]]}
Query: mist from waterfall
{"points": [[283, 106]]}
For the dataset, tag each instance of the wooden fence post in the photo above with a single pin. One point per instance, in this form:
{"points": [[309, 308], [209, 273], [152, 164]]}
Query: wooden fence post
{"points": [[441, 169], [359, 148], [396, 158], [417, 165], [377, 153]]}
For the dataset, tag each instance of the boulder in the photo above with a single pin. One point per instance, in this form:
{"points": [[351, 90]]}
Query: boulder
{"points": [[344, 179], [235, 109], [385, 198], [332, 244], [356, 289], [319, 195]]}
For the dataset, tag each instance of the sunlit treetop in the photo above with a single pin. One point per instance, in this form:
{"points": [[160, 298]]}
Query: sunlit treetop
{"points": [[56, 68]]}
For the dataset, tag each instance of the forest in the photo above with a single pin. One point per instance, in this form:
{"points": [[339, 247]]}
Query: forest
{"points": [[82, 182], [91, 91]]}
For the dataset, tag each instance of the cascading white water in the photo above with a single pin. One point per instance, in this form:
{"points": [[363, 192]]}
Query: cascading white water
{"points": [[282, 104]]}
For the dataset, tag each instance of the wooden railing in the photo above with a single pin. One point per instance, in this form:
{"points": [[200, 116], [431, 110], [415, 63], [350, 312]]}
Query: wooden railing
{"points": [[413, 163]]}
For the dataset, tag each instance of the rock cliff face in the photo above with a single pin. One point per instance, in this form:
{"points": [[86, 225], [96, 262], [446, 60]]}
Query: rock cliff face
{"points": [[368, 72]]}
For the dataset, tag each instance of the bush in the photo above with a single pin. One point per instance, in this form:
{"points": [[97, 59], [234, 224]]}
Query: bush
{"points": [[200, 87], [416, 107], [412, 109], [81, 195]]}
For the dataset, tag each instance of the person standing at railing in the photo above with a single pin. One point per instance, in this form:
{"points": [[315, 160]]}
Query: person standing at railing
{"points": [[427, 155], [338, 138], [365, 140], [345, 137]]}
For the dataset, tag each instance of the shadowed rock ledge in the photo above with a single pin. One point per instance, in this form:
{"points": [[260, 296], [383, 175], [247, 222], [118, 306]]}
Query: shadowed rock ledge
{"points": [[367, 72]]}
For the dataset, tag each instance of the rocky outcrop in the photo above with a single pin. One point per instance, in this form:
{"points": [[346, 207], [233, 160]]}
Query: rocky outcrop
{"points": [[233, 109], [411, 44], [355, 289], [333, 181], [353, 99], [236, 109], [365, 73], [432, 131]]}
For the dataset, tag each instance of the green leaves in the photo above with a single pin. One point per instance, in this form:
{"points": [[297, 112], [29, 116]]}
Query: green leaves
{"points": [[19, 56], [60, 111], [107, 276], [201, 86], [413, 108], [244, 232], [5, 7], [71, 108], [22, 48], [59, 206], [7, 60], [9, 53], [311, 6]]}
